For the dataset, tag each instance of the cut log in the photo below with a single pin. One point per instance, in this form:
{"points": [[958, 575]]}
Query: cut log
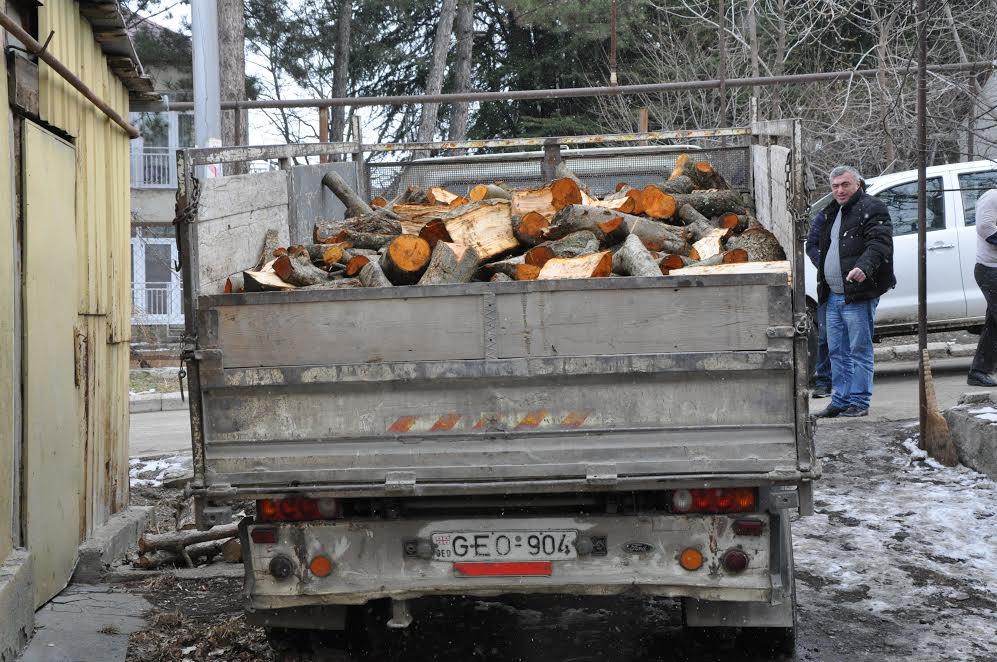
{"points": [[460, 201], [179, 539], [372, 276], [355, 264], [658, 204], [418, 214], [623, 204], [264, 281], [712, 203], [562, 171], [157, 558], [271, 242], [596, 265], [606, 224], [575, 244], [363, 239], [378, 202], [539, 255], [781, 267], [678, 185], [500, 278], [440, 196], [406, 259], [658, 236], [485, 225], [761, 245], [539, 200], [632, 259], [696, 224], [232, 551], [298, 270], [514, 267], [336, 284], [709, 244], [333, 253], [709, 178], [530, 228], [235, 284], [413, 194], [450, 263], [733, 256], [488, 192], [684, 166], [565, 191], [435, 231], [676, 261], [355, 206]]}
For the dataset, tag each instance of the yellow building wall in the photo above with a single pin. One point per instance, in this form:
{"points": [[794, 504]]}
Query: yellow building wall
{"points": [[104, 255], [7, 284]]}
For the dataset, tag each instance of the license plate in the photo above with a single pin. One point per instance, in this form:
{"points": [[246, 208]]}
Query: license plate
{"points": [[504, 545]]}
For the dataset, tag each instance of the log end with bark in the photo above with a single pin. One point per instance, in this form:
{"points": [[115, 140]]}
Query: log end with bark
{"points": [[406, 259]]}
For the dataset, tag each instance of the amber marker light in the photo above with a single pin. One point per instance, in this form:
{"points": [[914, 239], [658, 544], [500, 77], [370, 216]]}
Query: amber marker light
{"points": [[321, 566], [691, 559]]}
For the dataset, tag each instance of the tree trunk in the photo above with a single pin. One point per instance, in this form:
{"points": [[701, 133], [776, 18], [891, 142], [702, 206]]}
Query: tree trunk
{"points": [[485, 225], [367, 240], [761, 245], [355, 205], [464, 30], [434, 232], [340, 69], [707, 203], [658, 236], [178, 539], [681, 184], [298, 270], [596, 265], [437, 69], [156, 558], [573, 245], [406, 259], [372, 276], [606, 224], [232, 75], [697, 225], [539, 200], [632, 259], [450, 264]]}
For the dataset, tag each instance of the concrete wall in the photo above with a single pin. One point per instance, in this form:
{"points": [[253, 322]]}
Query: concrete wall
{"points": [[153, 205]]}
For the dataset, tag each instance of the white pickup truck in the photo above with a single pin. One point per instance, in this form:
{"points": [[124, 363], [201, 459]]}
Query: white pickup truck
{"points": [[954, 300]]}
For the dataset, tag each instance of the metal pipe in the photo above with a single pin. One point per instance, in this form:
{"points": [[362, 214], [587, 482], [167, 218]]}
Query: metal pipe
{"points": [[207, 85], [35, 48], [564, 93], [922, 213]]}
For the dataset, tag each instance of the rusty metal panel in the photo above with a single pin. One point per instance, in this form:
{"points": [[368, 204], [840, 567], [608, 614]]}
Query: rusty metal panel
{"points": [[53, 453], [9, 280]]}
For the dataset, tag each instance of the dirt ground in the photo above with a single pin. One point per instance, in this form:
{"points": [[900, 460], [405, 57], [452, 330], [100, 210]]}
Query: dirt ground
{"points": [[897, 563]]}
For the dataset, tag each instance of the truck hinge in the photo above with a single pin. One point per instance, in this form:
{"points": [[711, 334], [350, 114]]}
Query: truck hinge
{"points": [[602, 474], [400, 481]]}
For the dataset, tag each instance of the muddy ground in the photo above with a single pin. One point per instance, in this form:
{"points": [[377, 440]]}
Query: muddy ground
{"points": [[898, 563]]}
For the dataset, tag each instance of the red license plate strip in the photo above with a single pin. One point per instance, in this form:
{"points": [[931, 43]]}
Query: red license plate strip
{"points": [[512, 569]]}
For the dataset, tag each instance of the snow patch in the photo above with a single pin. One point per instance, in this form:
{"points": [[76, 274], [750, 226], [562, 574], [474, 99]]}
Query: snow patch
{"points": [[986, 413], [155, 471]]}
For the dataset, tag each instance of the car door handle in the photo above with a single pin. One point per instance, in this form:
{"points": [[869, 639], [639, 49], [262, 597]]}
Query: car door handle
{"points": [[940, 247]]}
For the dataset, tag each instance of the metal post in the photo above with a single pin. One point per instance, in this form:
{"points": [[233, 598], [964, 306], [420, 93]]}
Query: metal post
{"points": [[207, 94], [612, 43], [552, 157], [323, 130], [922, 189], [723, 62], [363, 181]]}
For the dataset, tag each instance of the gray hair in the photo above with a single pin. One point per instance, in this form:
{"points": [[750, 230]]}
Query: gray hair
{"points": [[838, 171]]}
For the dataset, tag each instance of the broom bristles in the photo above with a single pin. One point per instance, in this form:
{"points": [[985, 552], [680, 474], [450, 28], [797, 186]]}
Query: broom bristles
{"points": [[936, 437]]}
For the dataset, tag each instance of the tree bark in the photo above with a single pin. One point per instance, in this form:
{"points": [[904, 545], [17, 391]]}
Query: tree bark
{"points": [[271, 242], [658, 236], [514, 268], [450, 264], [606, 224], [368, 240], [530, 228], [372, 276], [298, 270], [178, 539], [232, 74], [761, 245], [355, 205], [573, 245], [406, 259], [632, 259], [156, 558], [489, 192], [437, 69], [464, 30], [340, 69]]}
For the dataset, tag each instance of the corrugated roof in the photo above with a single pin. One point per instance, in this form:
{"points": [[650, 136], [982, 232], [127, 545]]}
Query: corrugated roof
{"points": [[110, 32]]}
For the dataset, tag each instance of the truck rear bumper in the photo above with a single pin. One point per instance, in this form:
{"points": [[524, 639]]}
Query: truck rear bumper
{"points": [[370, 560]]}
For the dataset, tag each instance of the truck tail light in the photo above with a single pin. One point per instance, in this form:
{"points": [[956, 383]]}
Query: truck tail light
{"points": [[734, 561], [716, 500], [298, 509]]}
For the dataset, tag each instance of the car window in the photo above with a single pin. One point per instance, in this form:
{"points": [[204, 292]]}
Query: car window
{"points": [[901, 201], [973, 185]]}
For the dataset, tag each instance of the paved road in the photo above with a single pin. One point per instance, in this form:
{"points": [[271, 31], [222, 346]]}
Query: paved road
{"points": [[894, 398]]}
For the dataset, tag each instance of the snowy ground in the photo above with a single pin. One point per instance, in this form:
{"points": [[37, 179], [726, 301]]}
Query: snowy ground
{"points": [[898, 563], [153, 472]]}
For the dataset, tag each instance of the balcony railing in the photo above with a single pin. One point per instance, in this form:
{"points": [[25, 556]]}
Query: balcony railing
{"points": [[157, 303], [154, 167]]}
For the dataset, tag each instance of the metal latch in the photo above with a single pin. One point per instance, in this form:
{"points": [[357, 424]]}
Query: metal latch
{"points": [[780, 332], [400, 481], [783, 499], [601, 474]]}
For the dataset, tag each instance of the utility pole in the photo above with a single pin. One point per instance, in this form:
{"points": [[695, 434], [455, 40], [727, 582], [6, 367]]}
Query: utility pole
{"points": [[922, 211], [232, 74], [722, 74], [207, 99], [612, 44]]}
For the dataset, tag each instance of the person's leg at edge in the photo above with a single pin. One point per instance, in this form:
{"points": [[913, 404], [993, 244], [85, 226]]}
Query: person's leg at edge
{"points": [[985, 360], [860, 318], [837, 345], [822, 370]]}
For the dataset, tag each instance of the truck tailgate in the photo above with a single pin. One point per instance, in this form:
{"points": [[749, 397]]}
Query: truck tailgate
{"points": [[485, 385]]}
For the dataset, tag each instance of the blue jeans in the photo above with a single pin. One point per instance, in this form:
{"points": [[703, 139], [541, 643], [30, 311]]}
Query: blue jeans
{"points": [[849, 343], [822, 367]]}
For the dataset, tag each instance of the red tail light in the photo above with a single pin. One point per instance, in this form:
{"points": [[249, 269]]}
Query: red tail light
{"points": [[299, 509], [717, 500]]}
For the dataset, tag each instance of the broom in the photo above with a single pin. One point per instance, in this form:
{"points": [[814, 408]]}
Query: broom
{"points": [[935, 437]]}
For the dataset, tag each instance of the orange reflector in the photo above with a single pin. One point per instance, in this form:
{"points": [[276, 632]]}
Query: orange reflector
{"points": [[523, 568], [691, 559], [320, 566]]}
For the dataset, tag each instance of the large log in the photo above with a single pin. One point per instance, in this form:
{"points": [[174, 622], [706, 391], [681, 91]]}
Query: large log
{"points": [[435, 231], [297, 269], [606, 224], [632, 259], [530, 228], [450, 263], [264, 281], [514, 267], [485, 225], [761, 245], [335, 284], [658, 236], [681, 184], [271, 242], [202, 550], [406, 259], [540, 200], [489, 192], [712, 203], [573, 245], [363, 239], [709, 244], [696, 224], [372, 276], [176, 540], [355, 206], [596, 265]]}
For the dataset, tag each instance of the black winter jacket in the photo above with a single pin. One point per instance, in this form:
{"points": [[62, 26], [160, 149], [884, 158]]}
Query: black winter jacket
{"points": [[866, 242]]}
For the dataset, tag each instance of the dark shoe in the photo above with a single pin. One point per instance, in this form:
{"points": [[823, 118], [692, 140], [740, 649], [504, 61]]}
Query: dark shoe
{"points": [[821, 392], [977, 378], [830, 411], [855, 412]]}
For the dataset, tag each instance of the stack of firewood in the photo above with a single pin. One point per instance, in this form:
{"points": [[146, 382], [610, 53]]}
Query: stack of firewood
{"points": [[189, 547], [496, 233]]}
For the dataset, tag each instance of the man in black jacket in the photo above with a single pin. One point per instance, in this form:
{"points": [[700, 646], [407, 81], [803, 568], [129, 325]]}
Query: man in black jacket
{"points": [[856, 268]]}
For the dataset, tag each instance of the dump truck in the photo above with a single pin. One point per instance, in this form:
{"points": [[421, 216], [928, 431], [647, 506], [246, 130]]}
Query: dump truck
{"points": [[588, 437]]}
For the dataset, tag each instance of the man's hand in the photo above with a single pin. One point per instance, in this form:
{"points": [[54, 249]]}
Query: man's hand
{"points": [[855, 275]]}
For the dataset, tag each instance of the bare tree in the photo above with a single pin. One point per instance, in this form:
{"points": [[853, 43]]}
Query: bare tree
{"points": [[462, 67], [232, 74], [341, 67], [437, 68]]}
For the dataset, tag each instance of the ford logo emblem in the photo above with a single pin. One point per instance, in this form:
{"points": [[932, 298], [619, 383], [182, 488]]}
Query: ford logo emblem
{"points": [[637, 548]]}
